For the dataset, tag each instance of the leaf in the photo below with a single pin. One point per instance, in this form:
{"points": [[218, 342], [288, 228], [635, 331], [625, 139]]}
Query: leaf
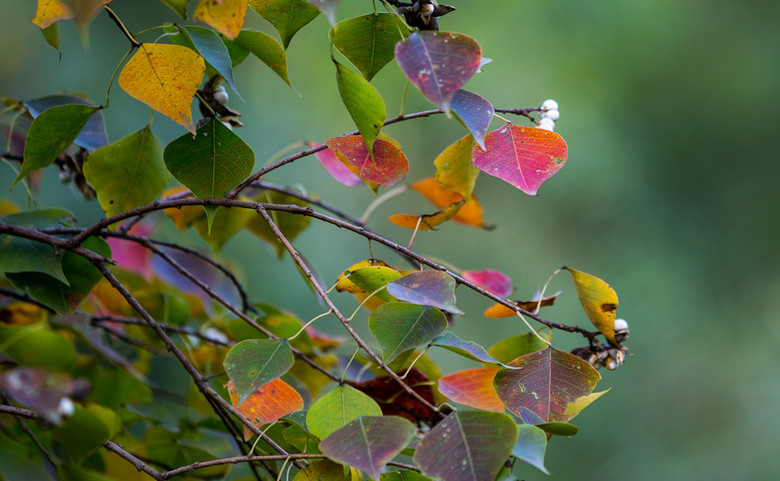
{"points": [[52, 36], [328, 7], [287, 16], [510, 348], [178, 6], [469, 349], [85, 431], [438, 63], [84, 11], [38, 347], [407, 475], [369, 41], [92, 135], [366, 277], [388, 167], [50, 134], [523, 156], [226, 16], [324, 470], [467, 446], [368, 443], [363, 103], [291, 225], [396, 401], [267, 404], [474, 112], [599, 301], [18, 254], [253, 363], [577, 406], [472, 387], [469, 214], [428, 288], [164, 77], [128, 173], [427, 221], [530, 446], [491, 280], [546, 382], [399, 326], [49, 12], [266, 49], [454, 170], [500, 310], [214, 51], [338, 407], [336, 168], [224, 226], [42, 390]]}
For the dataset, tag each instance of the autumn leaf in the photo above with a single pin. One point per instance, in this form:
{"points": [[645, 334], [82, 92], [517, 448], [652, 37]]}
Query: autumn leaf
{"points": [[599, 300], [472, 387], [164, 77], [50, 11], [469, 214], [491, 280], [454, 169], [336, 168], [427, 221], [267, 404], [499, 310], [388, 167], [226, 16], [396, 401]]}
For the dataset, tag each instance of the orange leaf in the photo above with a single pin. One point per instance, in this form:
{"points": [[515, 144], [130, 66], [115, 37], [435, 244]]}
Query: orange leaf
{"points": [[599, 300], [499, 310], [472, 387], [387, 167], [469, 214], [427, 221], [50, 11], [270, 402], [164, 77], [226, 16]]}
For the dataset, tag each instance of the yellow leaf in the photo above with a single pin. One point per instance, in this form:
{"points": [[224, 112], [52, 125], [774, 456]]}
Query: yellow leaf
{"points": [[226, 16], [599, 301], [575, 407], [164, 77], [344, 284], [440, 196], [427, 221], [50, 11]]}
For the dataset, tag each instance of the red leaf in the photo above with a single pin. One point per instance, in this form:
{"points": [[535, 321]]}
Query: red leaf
{"points": [[523, 156], [395, 401], [388, 167], [472, 387], [438, 63], [336, 169], [490, 280]]}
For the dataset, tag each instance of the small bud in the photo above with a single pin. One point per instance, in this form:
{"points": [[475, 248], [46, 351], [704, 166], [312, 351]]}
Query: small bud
{"points": [[550, 114], [547, 124], [549, 104]]}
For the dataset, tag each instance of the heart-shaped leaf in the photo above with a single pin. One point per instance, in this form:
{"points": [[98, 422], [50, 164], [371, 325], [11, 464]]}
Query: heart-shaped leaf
{"points": [[266, 49], [338, 407], [438, 63], [491, 280], [467, 446], [336, 168], [472, 387], [92, 135], [225, 16], [164, 77], [546, 382], [399, 326], [470, 213], [523, 156], [368, 442], [474, 112], [454, 169], [369, 41], [267, 404], [427, 288], [363, 103], [287, 16], [599, 300], [255, 362], [388, 167], [127, 173], [214, 51], [530, 446]]}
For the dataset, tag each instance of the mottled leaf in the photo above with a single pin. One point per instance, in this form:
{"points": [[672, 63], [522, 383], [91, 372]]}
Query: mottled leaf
{"points": [[438, 63], [369, 41], [50, 11], [266, 49], [164, 77], [267, 404], [474, 112], [523, 156], [546, 382], [467, 446], [530, 446], [214, 51], [470, 213], [428, 288], [454, 169], [363, 103], [472, 387], [368, 442], [287, 16], [599, 301], [337, 408], [253, 363], [92, 135], [388, 166], [225, 16], [399, 326]]}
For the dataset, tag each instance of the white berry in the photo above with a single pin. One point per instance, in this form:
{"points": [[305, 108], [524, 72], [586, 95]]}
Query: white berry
{"points": [[547, 124], [549, 104], [221, 96], [65, 408], [620, 324], [550, 114]]}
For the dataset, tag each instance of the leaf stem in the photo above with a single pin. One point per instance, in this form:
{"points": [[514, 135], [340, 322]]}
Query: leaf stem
{"points": [[135, 43], [116, 71]]}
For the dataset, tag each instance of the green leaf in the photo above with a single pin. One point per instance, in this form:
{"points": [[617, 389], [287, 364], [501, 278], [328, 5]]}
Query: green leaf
{"points": [[506, 350], [52, 35], [18, 254], [252, 363], [214, 51], [267, 49], [19, 462], [35, 346], [363, 103], [469, 349], [407, 475], [337, 408], [368, 443], [92, 136], [128, 173], [50, 134], [85, 431], [467, 446], [369, 41], [530, 446], [287, 16], [224, 227], [400, 326], [178, 6]]}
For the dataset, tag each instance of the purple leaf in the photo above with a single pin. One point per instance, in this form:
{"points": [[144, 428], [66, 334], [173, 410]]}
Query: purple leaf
{"points": [[427, 288], [475, 112]]}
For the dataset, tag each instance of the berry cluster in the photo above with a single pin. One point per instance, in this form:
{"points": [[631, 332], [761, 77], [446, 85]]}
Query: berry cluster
{"points": [[549, 114]]}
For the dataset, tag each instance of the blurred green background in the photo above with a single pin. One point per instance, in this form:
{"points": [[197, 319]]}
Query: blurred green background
{"points": [[670, 109]]}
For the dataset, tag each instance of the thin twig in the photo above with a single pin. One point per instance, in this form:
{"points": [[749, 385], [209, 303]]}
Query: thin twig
{"points": [[23, 296]]}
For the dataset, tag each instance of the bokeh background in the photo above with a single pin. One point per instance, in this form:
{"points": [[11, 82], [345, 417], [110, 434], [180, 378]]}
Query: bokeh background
{"points": [[671, 111]]}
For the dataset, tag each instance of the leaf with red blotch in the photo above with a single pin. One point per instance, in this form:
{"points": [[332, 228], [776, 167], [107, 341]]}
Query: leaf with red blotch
{"points": [[490, 280], [368, 443], [388, 167], [472, 387], [546, 382], [336, 168], [474, 112], [523, 156], [438, 63], [395, 401], [267, 404], [427, 221], [497, 311], [469, 214], [427, 288]]}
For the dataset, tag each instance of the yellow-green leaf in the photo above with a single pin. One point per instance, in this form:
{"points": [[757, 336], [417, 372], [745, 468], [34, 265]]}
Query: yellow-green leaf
{"points": [[226, 16], [599, 301]]}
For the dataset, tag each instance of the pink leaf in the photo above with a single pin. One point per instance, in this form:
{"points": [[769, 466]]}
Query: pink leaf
{"points": [[490, 280], [336, 169]]}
